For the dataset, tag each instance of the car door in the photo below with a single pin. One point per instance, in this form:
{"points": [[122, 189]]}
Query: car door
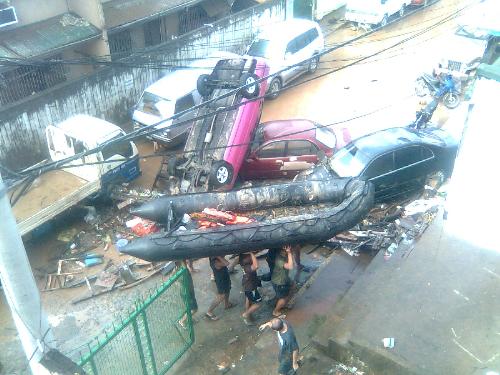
{"points": [[301, 155], [291, 58], [267, 161], [412, 165], [380, 171]]}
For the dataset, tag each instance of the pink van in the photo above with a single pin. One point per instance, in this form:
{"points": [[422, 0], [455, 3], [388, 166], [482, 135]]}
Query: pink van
{"points": [[218, 142]]}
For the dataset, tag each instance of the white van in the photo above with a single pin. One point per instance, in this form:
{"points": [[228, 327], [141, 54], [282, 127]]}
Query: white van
{"points": [[374, 12], [285, 44], [173, 93]]}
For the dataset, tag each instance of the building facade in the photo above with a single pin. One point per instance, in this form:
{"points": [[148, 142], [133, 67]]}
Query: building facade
{"points": [[44, 32]]}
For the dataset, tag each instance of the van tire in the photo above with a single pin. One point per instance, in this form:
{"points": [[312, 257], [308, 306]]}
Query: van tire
{"points": [[221, 174], [274, 88], [313, 64], [203, 85], [251, 91]]}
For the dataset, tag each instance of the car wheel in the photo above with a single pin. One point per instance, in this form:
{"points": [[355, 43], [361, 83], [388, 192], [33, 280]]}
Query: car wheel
{"points": [[274, 88], [222, 174], [451, 100], [313, 64], [402, 10], [251, 91], [203, 85], [384, 21]]}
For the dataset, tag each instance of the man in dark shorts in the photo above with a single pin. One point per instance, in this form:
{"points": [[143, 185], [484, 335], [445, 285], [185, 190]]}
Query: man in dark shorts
{"points": [[289, 348], [280, 278], [250, 282], [223, 282]]}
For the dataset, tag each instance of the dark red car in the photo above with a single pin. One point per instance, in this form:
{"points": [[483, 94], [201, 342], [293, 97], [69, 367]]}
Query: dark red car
{"points": [[281, 149]]}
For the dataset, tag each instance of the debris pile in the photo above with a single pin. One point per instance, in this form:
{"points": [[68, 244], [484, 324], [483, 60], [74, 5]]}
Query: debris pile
{"points": [[90, 256], [389, 228]]}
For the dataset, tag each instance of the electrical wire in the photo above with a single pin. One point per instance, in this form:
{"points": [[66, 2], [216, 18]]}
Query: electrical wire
{"points": [[150, 129], [105, 59]]}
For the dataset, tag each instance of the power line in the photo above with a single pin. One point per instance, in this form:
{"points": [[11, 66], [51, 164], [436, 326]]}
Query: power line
{"points": [[151, 128]]}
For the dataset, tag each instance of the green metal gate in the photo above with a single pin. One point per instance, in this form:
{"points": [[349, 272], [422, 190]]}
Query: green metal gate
{"points": [[150, 340]]}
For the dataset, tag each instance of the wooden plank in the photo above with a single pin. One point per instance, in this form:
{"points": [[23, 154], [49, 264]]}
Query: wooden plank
{"points": [[52, 193]]}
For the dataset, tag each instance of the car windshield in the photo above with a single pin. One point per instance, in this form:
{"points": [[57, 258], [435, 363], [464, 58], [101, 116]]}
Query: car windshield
{"points": [[326, 137], [349, 161], [261, 48], [155, 105]]}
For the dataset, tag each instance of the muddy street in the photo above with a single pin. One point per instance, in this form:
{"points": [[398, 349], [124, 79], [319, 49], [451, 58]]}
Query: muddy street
{"points": [[383, 83]]}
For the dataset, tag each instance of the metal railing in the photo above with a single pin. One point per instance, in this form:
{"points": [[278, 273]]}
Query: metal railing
{"points": [[151, 339]]}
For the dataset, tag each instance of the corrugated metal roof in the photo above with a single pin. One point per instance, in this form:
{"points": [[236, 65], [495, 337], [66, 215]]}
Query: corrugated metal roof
{"points": [[45, 37]]}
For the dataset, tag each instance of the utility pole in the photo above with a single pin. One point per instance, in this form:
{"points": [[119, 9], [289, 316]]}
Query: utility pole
{"points": [[20, 289]]}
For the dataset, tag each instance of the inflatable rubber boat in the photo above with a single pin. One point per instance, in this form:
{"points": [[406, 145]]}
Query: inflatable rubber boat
{"points": [[313, 223]]}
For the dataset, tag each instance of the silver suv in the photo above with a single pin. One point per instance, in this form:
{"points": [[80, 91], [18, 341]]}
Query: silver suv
{"points": [[286, 44]]}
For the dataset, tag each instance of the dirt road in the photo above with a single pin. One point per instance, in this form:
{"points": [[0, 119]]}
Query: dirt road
{"points": [[383, 82]]}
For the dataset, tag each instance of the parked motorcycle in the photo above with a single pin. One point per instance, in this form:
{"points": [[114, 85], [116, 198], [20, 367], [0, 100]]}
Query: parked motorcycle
{"points": [[442, 87]]}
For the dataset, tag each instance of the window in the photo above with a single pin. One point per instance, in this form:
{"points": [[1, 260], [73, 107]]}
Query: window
{"points": [[120, 44], [301, 41], [312, 35], [349, 161], [299, 148], [25, 81], [381, 165], [272, 150], [292, 46], [408, 156], [184, 103]]}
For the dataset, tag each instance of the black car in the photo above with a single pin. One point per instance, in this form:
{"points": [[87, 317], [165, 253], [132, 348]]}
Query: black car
{"points": [[396, 160]]}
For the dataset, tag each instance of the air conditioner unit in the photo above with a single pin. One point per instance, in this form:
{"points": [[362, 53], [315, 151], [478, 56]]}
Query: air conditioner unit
{"points": [[7, 16]]}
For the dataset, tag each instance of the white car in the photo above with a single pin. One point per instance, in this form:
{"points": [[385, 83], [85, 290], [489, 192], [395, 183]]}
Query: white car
{"points": [[287, 44], [172, 94], [374, 12]]}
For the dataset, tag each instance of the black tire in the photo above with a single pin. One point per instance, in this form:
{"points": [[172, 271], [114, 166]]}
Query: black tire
{"points": [[384, 21], [203, 85], [221, 174], [274, 88], [251, 91], [313, 64], [451, 100]]}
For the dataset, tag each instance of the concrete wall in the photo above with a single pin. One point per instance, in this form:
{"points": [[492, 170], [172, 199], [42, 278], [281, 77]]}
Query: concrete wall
{"points": [[31, 11], [90, 10], [110, 93]]}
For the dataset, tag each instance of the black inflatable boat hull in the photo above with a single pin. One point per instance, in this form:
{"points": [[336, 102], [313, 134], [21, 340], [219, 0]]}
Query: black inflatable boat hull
{"points": [[316, 226], [248, 199]]}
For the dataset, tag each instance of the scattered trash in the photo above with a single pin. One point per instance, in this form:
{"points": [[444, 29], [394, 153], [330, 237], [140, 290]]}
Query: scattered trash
{"points": [[390, 228], [121, 243], [142, 227], [233, 340], [388, 342]]}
